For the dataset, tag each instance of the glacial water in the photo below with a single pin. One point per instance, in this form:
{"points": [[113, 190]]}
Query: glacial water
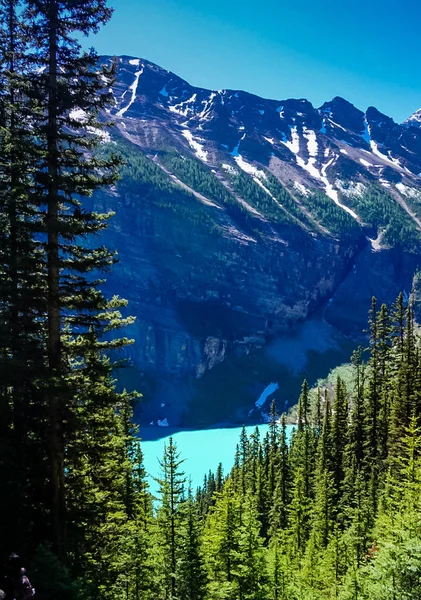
{"points": [[201, 450]]}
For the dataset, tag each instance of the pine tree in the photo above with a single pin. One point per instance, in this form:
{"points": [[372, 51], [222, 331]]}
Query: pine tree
{"points": [[299, 511], [279, 569], [171, 491], [97, 466], [318, 415], [220, 545], [140, 539], [278, 515], [325, 492], [303, 407], [398, 326], [356, 428], [219, 478], [339, 435], [372, 413], [251, 573], [64, 81], [244, 448], [383, 333], [273, 427], [255, 452], [190, 566]]}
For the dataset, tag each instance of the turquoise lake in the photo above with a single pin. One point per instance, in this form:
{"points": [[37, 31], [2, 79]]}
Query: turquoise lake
{"points": [[202, 450]]}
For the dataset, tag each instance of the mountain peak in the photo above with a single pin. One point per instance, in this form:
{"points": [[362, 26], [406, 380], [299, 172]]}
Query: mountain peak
{"points": [[414, 120], [339, 113]]}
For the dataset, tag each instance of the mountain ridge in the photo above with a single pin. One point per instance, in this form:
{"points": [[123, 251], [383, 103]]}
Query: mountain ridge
{"points": [[154, 65]]}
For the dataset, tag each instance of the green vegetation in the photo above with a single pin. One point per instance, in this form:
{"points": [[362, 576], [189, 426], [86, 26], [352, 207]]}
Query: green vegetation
{"points": [[275, 187], [379, 209], [254, 195], [331, 216], [196, 175], [142, 181]]}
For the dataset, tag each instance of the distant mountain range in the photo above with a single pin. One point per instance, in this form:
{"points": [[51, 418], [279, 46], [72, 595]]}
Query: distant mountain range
{"points": [[318, 147], [238, 217]]}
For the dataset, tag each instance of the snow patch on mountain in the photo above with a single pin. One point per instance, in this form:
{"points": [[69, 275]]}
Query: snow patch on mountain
{"points": [[184, 108], [312, 148], [350, 188], [334, 124], [197, 147], [249, 168], [312, 145], [135, 62], [133, 89], [229, 168], [79, 115], [375, 150], [414, 119], [409, 192], [103, 135], [294, 143], [301, 188], [321, 175], [204, 115]]}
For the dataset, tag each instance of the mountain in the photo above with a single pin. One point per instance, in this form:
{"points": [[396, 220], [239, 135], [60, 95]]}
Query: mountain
{"points": [[237, 219]]}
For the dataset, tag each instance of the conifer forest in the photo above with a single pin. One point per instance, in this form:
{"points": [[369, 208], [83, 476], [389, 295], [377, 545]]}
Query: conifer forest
{"points": [[332, 511]]}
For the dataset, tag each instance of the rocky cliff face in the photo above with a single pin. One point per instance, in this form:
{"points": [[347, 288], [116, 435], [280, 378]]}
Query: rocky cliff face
{"points": [[239, 217]]}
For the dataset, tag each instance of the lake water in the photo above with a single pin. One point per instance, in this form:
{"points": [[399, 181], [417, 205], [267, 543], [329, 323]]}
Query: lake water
{"points": [[202, 450]]}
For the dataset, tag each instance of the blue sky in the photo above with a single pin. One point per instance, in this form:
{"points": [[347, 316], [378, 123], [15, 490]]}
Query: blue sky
{"points": [[368, 51]]}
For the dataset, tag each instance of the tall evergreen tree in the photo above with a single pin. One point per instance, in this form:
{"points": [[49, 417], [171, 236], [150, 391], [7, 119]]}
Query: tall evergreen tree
{"points": [[339, 435], [278, 515], [325, 492], [190, 567], [251, 572], [65, 80], [171, 491], [220, 544]]}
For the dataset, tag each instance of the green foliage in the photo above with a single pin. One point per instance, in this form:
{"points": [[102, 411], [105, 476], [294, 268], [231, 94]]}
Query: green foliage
{"points": [[50, 578], [142, 182], [193, 173], [381, 211], [337, 221], [269, 207]]}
